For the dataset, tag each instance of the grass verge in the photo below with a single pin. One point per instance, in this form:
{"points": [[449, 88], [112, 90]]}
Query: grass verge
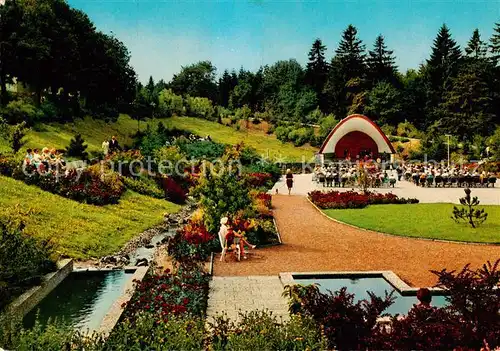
{"points": [[431, 221], [78, 230]]}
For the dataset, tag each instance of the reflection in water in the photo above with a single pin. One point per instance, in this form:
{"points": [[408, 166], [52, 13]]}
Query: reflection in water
{"points": [[81, 300], [360, 286]]}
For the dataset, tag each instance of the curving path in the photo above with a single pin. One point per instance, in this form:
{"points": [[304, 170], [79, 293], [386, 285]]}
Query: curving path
{"points": [[313, 242]]}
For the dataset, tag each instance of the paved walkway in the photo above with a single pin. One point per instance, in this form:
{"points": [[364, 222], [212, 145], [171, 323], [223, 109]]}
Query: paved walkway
{"points": [[313, 242], [303, 184], [232, 294]]}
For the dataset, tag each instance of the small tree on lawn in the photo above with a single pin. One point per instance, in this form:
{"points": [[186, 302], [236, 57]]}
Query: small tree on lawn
{"points": [[77, 147], [469, 212]]}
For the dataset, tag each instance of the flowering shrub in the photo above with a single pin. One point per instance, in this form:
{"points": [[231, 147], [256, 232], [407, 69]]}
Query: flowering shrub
{"points": [[258, 180], [94, 185], [8, 164], [352, 199], [168, 294], [123, 161], [192, 243], [173, 190]]}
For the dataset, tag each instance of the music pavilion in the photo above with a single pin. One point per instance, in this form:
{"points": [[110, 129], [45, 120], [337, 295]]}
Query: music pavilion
{"points": [[356, 137]]}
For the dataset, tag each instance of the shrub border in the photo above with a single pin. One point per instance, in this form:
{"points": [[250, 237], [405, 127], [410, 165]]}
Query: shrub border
{"points": [[402, 236]]}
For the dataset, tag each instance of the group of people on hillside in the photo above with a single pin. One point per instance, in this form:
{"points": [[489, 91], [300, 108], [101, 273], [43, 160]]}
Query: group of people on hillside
{"points": [[45, 160], [230, 237]]}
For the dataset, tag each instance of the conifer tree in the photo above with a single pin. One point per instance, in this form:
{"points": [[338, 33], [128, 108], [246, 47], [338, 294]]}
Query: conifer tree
{"points": [[476, 48], [495, 44], [317, 69], [381, 62], [77, 147], [351, 54]]}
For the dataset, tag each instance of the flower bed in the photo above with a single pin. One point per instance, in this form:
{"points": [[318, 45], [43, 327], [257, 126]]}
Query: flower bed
{"points": [[352, 199], [191, 243], [259, 179], [168, 294], [92, 185]]}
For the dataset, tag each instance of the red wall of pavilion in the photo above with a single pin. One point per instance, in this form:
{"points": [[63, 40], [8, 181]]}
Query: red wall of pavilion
{"points": [[354, 143]]}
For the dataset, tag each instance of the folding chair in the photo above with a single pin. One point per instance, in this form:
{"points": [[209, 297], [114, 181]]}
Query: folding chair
{"points": [[226, 248]]}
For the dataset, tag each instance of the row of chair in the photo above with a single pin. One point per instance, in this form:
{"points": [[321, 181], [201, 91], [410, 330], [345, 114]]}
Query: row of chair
{"points": [[455, 181]]}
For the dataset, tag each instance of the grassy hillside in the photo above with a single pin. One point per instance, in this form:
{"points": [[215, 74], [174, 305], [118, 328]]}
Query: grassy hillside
{"points": [[265, 144], [79, 230], [95, 131]]}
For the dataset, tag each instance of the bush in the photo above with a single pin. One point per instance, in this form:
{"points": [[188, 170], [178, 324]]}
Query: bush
{"points": [[173, 191], [170, 104], [301, 136], [18, 111], [469, 212], [8, 164], [200, 107], [260, 330], [145, 186], [96, 185], [346, 325], [326, 126], [352, 199], [388, 129], [282, 133], [23, 261], [258, 180], [192, 243], [406, 129], [202, 150]]}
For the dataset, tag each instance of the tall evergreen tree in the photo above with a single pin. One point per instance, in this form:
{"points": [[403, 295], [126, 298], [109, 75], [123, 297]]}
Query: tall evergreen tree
{"points": [[381, 62], [351, 54], [476, 48], [444, 61], [495, 44], [317, 69]]}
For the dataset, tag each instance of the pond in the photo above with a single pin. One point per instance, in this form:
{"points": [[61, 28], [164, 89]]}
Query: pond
{"points": [[360, 286], [81, 300]]}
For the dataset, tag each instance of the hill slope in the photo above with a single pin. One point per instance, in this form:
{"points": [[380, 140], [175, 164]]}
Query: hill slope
{"points": [[79, 230], [96, 131]]}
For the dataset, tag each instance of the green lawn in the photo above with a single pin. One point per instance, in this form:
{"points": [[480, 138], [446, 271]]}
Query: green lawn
{"points": [[421, 220], [96, 131], [78, 230]]}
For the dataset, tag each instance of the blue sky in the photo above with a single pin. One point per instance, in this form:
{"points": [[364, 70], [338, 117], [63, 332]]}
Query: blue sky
{"points": [[164, 35]]}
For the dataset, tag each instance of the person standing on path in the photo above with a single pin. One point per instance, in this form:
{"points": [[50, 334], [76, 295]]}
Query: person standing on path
{"points": [[289, 180]]}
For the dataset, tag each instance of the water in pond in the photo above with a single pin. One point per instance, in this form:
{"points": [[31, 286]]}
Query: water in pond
{"points": [[81, 300], [360, 286]]}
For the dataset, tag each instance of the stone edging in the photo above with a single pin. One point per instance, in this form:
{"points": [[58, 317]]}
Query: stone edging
{"points": [[115, 312], [22, 305], [402, 236]]}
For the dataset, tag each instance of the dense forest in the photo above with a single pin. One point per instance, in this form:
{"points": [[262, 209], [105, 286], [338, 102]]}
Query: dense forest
{"points": [[68, 69]]}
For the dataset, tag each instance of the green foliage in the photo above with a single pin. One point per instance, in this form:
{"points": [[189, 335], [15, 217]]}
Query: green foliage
{"points": [[493, 143], [384, 104], [13, 134], [202, 150], [77, 147], [300, 136], [144, 186], [200, 107], [166, 158], [326, 125], [23, 260], [197, 80], [18, 111], [469, 213], [170, 104], [243, 113], [388, 129], [406, 129], [220, 194], [260, 330]]}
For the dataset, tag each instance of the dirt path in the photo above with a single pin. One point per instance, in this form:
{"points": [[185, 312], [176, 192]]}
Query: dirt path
{"points": [[312, 242]]}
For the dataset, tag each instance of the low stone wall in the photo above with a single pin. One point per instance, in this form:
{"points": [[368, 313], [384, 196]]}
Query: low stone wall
{"points": [[116, 310], [21, 306]]}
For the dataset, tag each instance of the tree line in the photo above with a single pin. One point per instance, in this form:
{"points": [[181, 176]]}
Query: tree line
{"points": [[58, 53], [72, 68]]}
